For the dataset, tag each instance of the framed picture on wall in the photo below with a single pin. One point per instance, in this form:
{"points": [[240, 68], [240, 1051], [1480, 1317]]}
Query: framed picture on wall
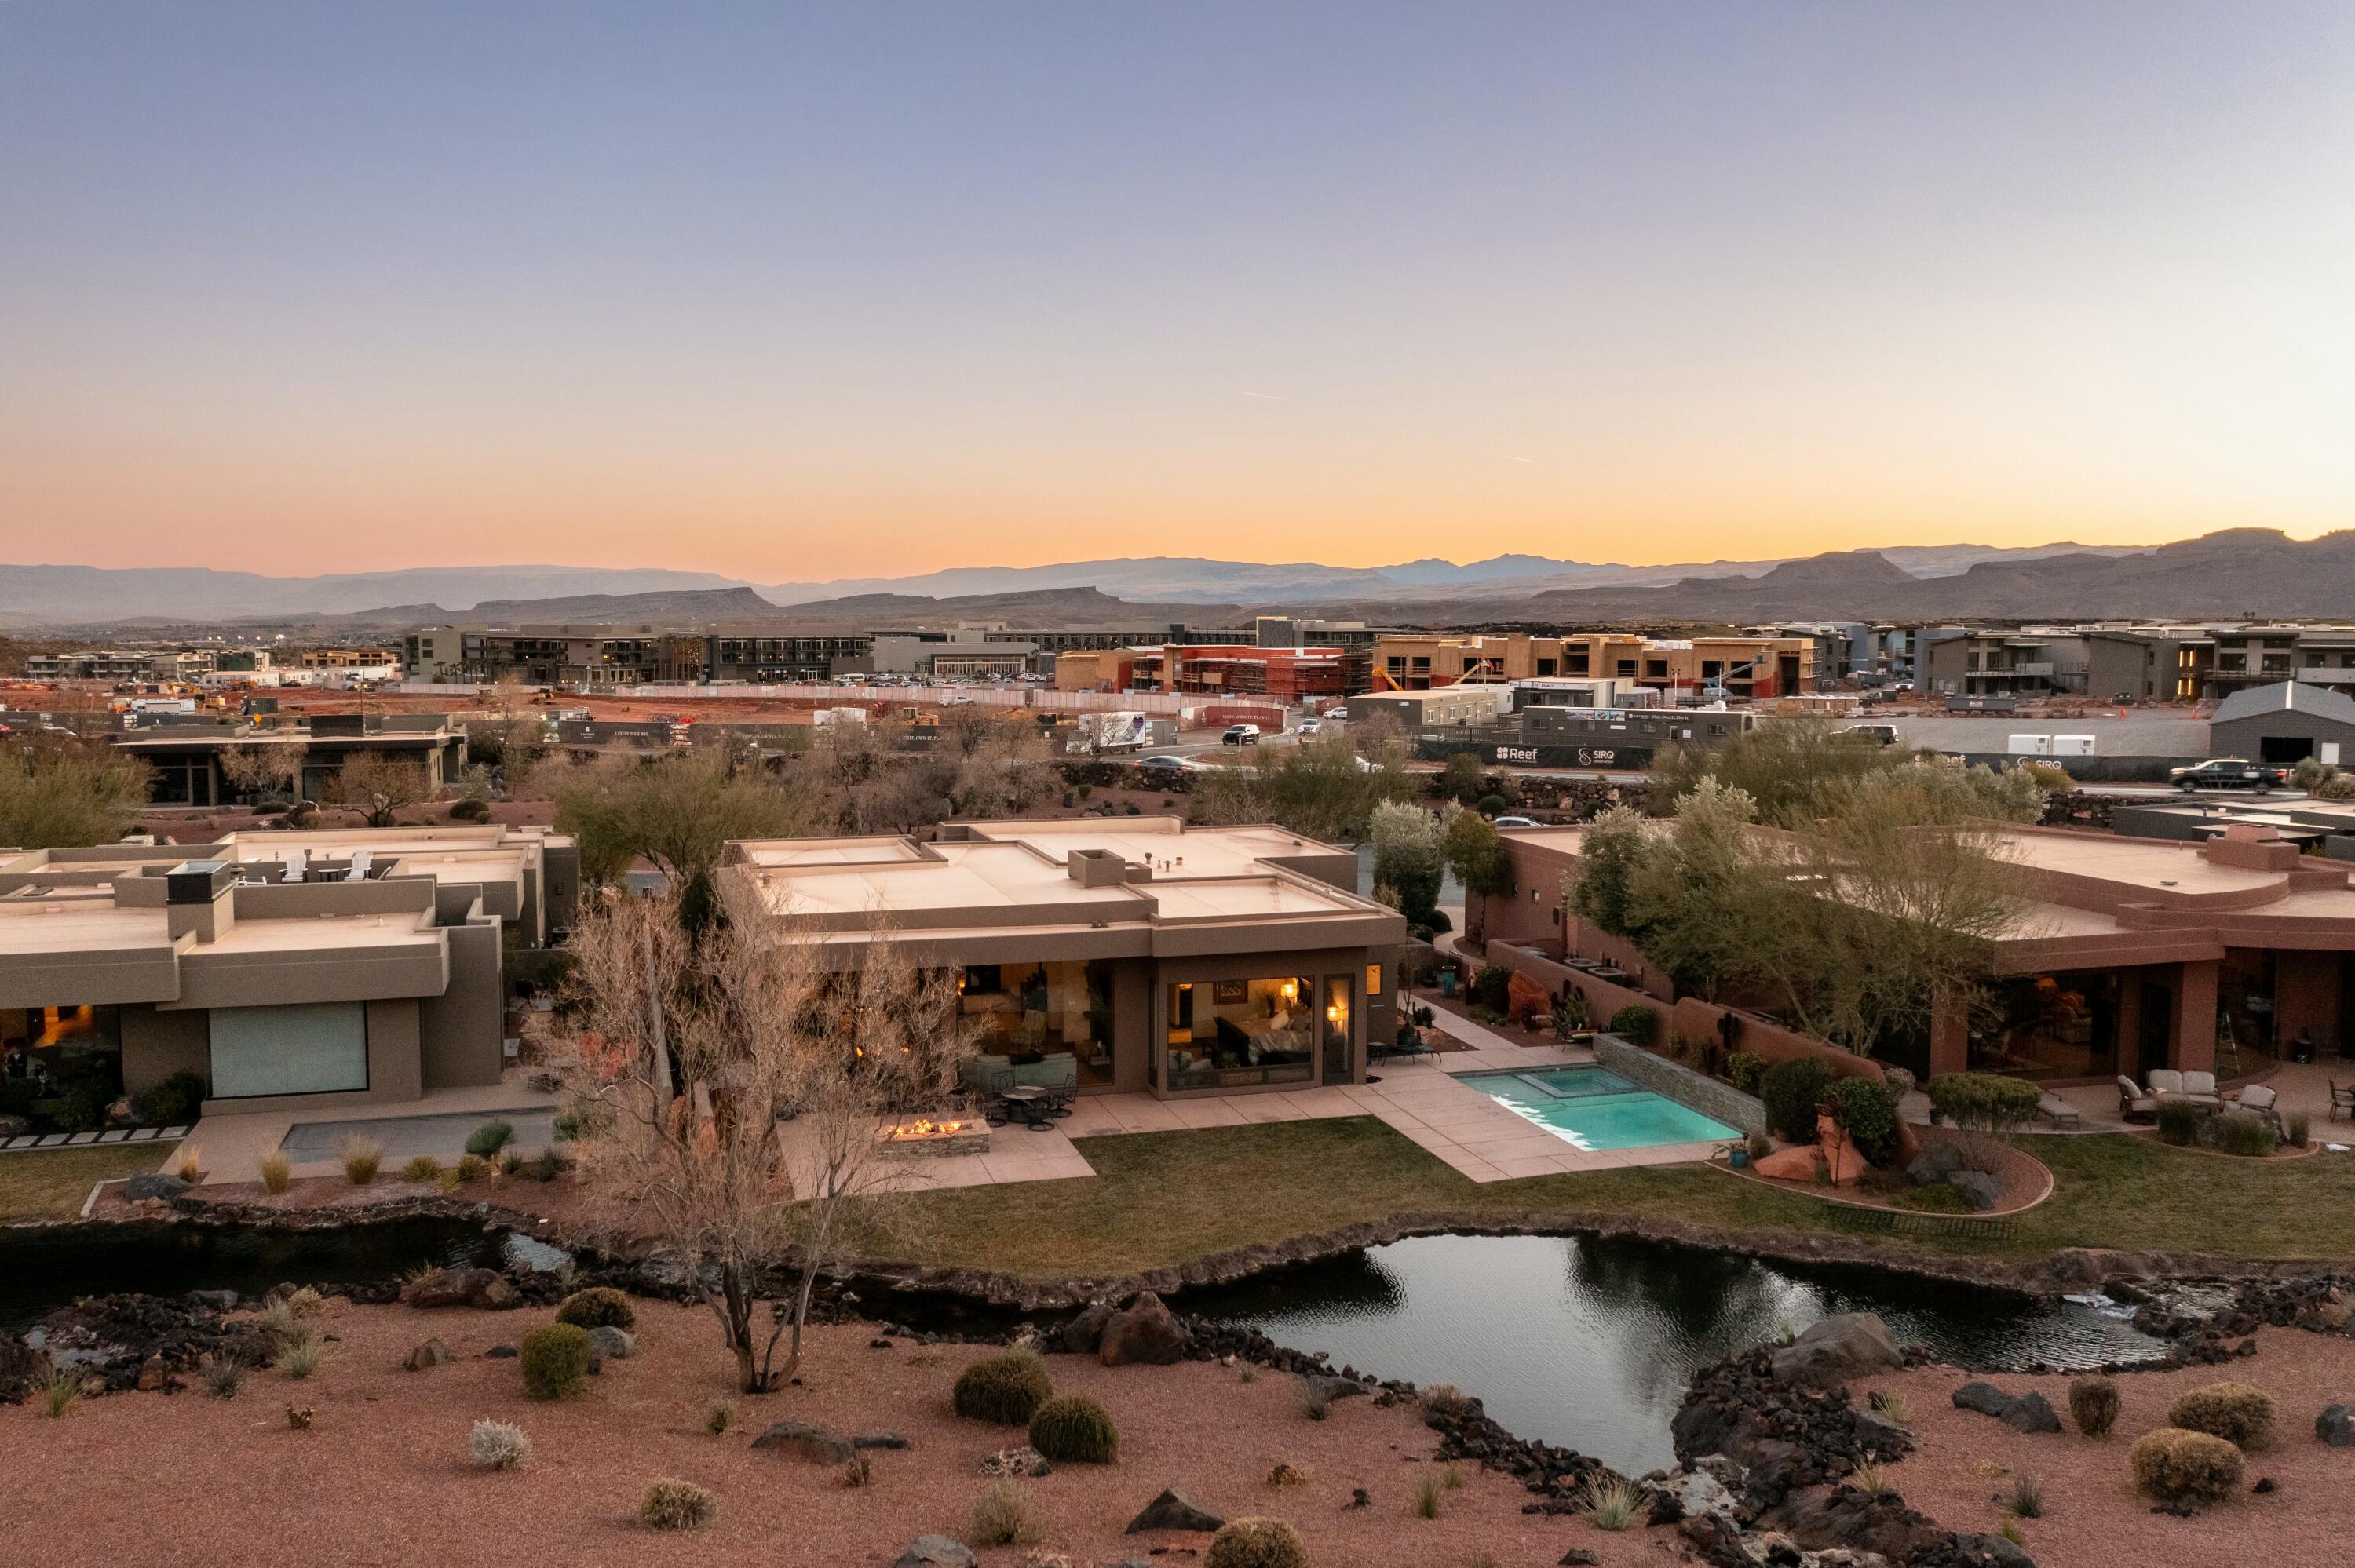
{"points": [[1225, 992]]}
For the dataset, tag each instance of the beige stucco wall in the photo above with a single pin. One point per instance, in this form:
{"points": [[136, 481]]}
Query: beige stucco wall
{"points": [[156, 1045], [460, 1031]]}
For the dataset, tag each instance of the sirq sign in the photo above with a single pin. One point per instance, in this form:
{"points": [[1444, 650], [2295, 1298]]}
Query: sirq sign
{"points": [[1598, 757]]}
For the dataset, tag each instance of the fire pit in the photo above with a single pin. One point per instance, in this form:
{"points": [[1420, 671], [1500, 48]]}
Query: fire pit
{"points": [[965, 1133]]}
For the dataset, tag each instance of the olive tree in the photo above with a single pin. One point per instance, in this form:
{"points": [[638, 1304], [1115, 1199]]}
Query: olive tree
{"points": [[61, 792], [1410, 860], [1474, 852], [678, 810]]}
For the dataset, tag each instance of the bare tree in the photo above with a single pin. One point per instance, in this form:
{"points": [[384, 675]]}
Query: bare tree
{"points": [[379, 786], [738, 1095], [266, 770]]}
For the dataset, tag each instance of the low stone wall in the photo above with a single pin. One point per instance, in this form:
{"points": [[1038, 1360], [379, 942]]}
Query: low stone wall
{"points": [[1718, 1101]]}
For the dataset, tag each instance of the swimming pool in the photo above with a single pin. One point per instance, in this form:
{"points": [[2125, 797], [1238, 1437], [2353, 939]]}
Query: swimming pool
{"points": [[1594, 1108]]}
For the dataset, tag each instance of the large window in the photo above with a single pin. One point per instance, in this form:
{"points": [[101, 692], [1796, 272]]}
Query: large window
{"points": [[2051, 1026], [305, 1048], [1231, 1032], [1029, 1012]]}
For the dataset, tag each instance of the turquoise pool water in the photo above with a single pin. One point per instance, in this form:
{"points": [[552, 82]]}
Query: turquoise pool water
{"points": [[1597, 1109]]}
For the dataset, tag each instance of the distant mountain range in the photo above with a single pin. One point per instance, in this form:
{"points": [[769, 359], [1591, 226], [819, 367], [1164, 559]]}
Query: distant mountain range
{"points": [[2237, 572]]}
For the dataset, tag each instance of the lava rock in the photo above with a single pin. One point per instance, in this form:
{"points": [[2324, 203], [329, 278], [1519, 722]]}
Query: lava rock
{"points": [[478, 1287], [1172, 1509], [2335, 1425], [154, 1184], [1145, 1332], [616, 1343], [1838, 1350], [1579, 1557], [501, 1353], [881, 1440], [431, 1353], [1936, 1162], [811, 1445], [935, 1552], [1979, 1189], [1332, 1387], [2021, 1413], [1083, 1334]]}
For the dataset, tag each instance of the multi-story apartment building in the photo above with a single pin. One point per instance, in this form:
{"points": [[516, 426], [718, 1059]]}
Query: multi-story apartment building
{"points": [[1732, 665], [2258, 655], [181, 664], [1287, 675], [1974, 661]]}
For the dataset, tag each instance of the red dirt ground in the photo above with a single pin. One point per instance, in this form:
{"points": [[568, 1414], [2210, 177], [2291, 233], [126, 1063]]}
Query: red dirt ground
{"points": [[2092, 1517], [381, 1479]]}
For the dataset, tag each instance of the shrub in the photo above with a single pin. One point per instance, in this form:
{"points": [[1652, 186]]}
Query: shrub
{"points": [[1007, 1390], [1744, 1070], [1867, 1108], [2179, 1122], [473, 809], [489, 1138], [1426, 1496], [59, 1391], [1636, 1024], [423, 1168], [277, 1170], [174, 1099], [359, 1158], [2300, 1126], [224, 1374], [1612, 1501], [554, 1360], [1004, 1514], [599, 1306], [1314, 1400], [720, 1417], [2093, 1406], [2340, 786], [1250, 1542], [1446, 1401], [670, 1503], [1451, 1477], [548, 1167], [2027, 1497], [1985, 1103], [188, 1163], [1792, 1091], [1872, 1478], [1492, 987], [496, 1446], [80, 1107], [472, 1168], [2246, 1134], [2307, 773], [2237, 1413], [1758, 1145], [302, 1355], [1894, 1406], [507, 1162], [1072, 1429], [2174, 1466]]}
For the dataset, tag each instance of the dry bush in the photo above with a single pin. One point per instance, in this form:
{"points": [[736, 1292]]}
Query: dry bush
{"points": [[359, 1158], [1006, 1514], [670, 1503], [277, 1170], [2240, 1414], [2094, 1405], [496, 1446], [1256, 1544], [2176, 1465]]}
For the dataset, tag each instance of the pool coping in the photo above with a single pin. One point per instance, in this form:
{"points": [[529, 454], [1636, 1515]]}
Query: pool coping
{"points": [[1682, 1149]]}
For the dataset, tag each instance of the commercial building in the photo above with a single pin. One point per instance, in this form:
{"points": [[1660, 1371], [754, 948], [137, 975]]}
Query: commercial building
{"points": [[1136, 954], [285, 969], [1287, 674], [187, 758], [1738, 666], [1441, 707]]}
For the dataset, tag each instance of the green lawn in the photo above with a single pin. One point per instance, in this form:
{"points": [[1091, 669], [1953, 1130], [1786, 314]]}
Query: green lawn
{"points": [[1159, 1199], [51, 1184]]}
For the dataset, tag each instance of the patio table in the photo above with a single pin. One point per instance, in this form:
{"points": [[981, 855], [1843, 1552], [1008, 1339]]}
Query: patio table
{"points": [[1030, 1105]]}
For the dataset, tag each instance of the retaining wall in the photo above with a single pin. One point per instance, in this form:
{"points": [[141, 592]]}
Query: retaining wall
{"points": [[1719, 1101]]}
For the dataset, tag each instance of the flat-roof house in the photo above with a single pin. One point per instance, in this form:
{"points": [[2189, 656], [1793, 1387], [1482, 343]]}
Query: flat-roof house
{"points": [[187, 758], [283, 969], [2131, 953], [1135, 954]]}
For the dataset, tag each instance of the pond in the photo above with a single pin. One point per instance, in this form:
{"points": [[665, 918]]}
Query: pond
{"points": [[1590, 1344], [43, 1268]]}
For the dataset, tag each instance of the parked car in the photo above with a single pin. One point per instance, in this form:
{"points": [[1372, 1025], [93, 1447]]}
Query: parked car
{"points": [[1308, 727], [1168, 760], [1342, 713], [1886, 733], [2228, 773], [1240, 735]]}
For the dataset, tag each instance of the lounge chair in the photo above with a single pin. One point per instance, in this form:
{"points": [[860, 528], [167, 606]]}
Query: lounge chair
{"points": [[2060, 1112], [2341, 1099], [2134, 1105]]}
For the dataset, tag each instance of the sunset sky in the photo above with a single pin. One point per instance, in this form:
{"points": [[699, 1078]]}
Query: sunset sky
{"points": [[795, 293]]}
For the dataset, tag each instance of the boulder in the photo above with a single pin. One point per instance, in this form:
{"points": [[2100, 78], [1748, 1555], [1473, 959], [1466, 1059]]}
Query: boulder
{"points": [[935, 1552], [154, 1373], [1145, 1334], [219, 1300], [1084, 1333], [1332, 1387], [431, 1353], [614, 1344], [1979, 1189], [502, 1354], [881, 1440], [811, 1445], [479, 1288], [1023, 1461], [154, 1184], [1839, 1348], [2335, 1425], [1937, 1161], [15, 1125], [1172, 1509], [2021, 1413]]}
